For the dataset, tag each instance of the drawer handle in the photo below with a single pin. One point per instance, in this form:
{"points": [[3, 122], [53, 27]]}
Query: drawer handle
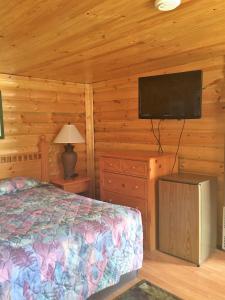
{"points": [[133, 167], [136, 187], [123, 185], [109, 181], [110, 164]]}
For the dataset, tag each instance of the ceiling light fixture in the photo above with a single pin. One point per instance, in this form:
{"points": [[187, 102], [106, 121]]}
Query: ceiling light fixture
{"points": [[166, 5]]}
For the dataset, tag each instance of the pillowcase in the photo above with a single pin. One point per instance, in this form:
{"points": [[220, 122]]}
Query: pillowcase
{"points": [[12, 185], [24, 183], [6, 186]]}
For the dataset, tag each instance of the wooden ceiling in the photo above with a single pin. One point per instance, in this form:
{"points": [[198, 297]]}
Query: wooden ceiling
{"points": [[94, 40]]}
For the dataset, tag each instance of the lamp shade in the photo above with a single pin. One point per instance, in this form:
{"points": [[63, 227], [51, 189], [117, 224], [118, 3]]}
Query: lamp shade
{"points": [[69, 134]]}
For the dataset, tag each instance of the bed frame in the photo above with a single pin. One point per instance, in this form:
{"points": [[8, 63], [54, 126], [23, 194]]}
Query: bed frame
{"points": [[106, 293], [32, 164]]}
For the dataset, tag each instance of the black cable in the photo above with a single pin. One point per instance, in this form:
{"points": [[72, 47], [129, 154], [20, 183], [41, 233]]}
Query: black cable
{"points": [[178, 146], [160, 146], [157, 139]]}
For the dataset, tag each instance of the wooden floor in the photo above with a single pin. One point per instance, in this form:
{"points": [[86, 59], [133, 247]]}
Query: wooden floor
{"points": [[182, 278]]}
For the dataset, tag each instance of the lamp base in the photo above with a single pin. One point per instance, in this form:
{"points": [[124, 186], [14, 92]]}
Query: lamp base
{"points": [[69, 160]]}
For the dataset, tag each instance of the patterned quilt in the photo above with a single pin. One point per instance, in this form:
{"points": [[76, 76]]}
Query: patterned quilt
{"points": [[57, 245]]}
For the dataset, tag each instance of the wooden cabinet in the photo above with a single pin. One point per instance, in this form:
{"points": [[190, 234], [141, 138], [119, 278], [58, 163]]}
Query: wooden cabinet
{"points": [[77, 185], [187, 216], [130, 179]]}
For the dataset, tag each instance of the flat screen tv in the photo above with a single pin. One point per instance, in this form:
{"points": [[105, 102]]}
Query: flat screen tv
{"points": [[171, 96]]}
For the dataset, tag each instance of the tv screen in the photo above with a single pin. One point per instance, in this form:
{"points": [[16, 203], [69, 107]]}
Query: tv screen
{"points": [[171, 96]]}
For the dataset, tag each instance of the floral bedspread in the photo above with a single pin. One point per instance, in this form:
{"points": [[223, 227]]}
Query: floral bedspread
{"points": [[57, 245]]}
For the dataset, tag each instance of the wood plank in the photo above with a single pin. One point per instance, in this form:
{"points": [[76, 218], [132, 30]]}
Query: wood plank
{"points": [[90, 137], [207, 125], [189, 152], [169, 138], [39, 106]]}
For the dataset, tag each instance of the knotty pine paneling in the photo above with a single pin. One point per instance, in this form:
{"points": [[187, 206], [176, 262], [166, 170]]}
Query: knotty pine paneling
{"points": [[33, 107], [117, 126], [92, 40]]}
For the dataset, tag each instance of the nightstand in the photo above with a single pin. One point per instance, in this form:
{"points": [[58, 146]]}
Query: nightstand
{"points": [[78, 185]]}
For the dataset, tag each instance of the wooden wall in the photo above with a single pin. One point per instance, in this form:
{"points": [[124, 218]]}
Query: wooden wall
{"points": [[202, 146], [33, 107]]}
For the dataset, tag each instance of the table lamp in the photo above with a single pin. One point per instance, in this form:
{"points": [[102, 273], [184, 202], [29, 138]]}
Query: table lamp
{"points": [[68, 135]]}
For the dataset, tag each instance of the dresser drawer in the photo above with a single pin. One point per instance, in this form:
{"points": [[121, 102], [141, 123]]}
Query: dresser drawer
{"points": [[120, 199], [111, 164], [134, 167], [126, 185]]}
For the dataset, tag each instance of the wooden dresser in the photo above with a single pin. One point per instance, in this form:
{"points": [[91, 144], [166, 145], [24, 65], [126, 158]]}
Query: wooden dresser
{"points": [[130, 179]]}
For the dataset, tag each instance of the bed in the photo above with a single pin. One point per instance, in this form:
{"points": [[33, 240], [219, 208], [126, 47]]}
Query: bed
{"points": [[58, 245]]}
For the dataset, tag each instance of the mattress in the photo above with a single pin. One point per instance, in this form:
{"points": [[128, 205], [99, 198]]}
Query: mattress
{"points": [[58, 245]]}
